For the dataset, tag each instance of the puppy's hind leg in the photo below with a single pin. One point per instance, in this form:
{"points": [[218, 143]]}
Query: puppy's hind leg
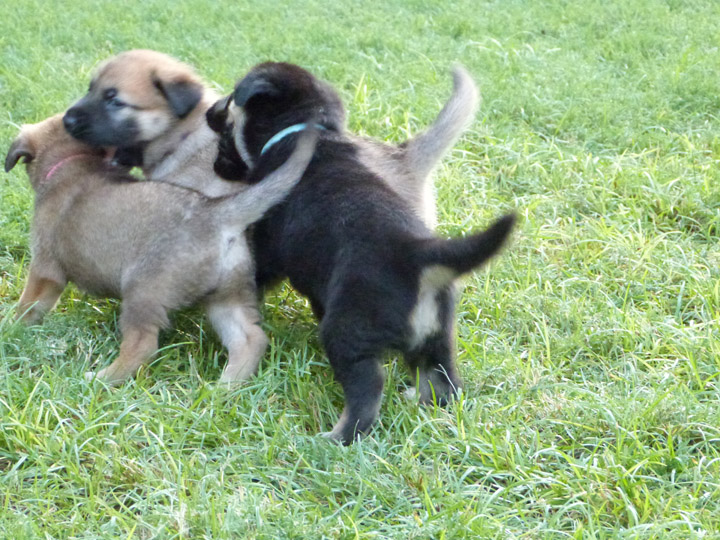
{"points": [[432, 362], [39, 296], [140, 324], [362, 379], [238, 326], [433, 365]]}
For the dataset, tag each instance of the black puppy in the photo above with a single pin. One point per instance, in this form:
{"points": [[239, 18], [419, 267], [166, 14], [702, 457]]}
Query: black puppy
{"points": [[376, 276]]}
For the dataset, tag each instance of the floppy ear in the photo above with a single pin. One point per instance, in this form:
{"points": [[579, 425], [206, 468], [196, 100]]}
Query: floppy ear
{"points": [[254, 85], [182, 95], [20, 148]]}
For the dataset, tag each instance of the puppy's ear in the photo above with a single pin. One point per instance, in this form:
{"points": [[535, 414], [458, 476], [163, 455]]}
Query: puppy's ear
{"points": [[254, 85], [21, 147], [182, 95], [216, 115]]}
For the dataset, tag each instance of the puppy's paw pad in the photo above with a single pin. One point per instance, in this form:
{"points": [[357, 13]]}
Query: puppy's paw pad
{"points": [[90, 376], [411, 393]]}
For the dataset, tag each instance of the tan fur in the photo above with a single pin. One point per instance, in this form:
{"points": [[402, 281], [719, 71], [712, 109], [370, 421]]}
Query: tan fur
{"points": [[183, 152], [39, 296], [157, 246], [180, 152], [408, 168]]}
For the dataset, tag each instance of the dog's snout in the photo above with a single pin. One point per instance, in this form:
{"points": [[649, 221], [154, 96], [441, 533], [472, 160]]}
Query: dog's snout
{"points": [[72, 120]]}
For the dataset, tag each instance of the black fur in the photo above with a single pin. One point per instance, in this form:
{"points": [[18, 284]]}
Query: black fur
{"points": [[129, 156], [182, 96], [229, 165], [95, 122], [351, 245], [216, 115]]}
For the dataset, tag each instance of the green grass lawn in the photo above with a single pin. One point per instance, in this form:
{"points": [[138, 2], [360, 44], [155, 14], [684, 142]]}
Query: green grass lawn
{"points": [[590, 348]]}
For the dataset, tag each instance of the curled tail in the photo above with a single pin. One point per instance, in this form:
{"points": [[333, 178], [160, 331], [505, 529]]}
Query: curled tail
{"points": [[424, 151], [456, 256], [249, 205]]}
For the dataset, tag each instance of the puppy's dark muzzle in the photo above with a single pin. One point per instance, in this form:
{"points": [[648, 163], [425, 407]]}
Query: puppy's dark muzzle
{"points": [[75, 121], [216, 115]]}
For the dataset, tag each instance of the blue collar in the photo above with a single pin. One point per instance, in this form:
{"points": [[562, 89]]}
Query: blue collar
{"points": [[280, 135]]}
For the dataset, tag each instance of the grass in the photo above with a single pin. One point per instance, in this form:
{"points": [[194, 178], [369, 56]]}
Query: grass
{"points": [[590, 348]]}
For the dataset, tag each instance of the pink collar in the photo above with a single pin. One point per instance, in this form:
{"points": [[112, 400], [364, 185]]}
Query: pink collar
{"points": [[60, 163]]}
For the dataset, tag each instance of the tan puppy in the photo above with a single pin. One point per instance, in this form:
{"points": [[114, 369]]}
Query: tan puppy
{"points": [[157, 246], [153, 107]]}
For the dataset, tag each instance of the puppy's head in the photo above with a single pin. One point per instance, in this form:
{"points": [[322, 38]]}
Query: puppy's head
{"points": [[270, 98], [134, 98], [43, 145]]}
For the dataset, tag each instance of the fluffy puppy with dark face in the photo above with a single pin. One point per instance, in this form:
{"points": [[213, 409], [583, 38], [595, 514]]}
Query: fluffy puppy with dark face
{"points": [[151, 108], [375, 274]]}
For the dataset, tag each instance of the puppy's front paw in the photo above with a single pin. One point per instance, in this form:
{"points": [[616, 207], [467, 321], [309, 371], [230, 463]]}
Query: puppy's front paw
{"points": [[411, 393], [340, 434], [232, 376], [104, 376], [29, 317]]}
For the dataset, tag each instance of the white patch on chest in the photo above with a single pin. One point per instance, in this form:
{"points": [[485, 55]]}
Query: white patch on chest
{"points": [[425, 316]]}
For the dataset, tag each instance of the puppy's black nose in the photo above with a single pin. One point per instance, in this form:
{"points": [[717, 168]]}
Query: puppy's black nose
{"points": [[71, 120]]}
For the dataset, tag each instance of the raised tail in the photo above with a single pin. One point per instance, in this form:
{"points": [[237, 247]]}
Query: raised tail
{"points": [[424, 151], [456, 256], [249, 205]]}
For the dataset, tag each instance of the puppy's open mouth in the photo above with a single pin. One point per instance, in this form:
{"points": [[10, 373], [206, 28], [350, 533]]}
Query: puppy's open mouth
{"points": [[124, 156]]}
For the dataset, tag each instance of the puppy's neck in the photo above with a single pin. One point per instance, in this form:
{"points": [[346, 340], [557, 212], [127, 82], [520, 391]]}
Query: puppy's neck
{"points": [[189, 139], [55, 168], [48, 168]]}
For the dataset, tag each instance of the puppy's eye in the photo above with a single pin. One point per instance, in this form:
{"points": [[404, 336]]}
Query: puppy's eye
{"points": [[111, 99]]}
